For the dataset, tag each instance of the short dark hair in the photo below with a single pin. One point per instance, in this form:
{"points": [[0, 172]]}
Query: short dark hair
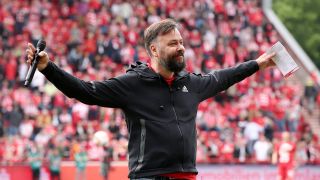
{"points": [[156, 29]]}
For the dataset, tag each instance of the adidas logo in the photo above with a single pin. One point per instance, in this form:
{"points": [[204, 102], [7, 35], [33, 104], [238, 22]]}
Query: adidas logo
{"points": [[184, 89]]}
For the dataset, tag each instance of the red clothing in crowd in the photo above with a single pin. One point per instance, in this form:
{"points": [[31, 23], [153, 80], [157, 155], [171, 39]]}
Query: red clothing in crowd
{"points": [[286, 153], [11, 69]]}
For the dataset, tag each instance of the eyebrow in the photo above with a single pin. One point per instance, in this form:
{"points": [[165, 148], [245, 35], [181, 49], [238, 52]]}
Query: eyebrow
{"points": [[175, 40]]}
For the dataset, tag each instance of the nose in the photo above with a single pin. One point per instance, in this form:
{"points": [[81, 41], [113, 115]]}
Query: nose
{"points": [[180, 48]]}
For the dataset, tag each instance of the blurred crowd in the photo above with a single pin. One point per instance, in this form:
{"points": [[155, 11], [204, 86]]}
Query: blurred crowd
{"points": [[98, 39]]}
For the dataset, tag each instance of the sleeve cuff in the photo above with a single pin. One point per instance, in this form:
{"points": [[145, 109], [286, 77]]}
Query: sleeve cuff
{"points": [[49, 69], [255, 64]]}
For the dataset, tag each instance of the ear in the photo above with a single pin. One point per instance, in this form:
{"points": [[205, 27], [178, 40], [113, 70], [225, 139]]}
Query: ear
{"points": [[153, 50]]}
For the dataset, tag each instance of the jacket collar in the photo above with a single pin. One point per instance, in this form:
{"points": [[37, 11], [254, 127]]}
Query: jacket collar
{"points": [[144, 71]]}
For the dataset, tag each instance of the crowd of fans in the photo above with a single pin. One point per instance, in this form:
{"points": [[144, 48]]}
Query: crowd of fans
{"points": [[98, 39]]}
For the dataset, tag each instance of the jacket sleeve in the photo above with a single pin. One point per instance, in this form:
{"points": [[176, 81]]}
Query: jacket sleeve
{"points": [[109, 93], [220, 80]]}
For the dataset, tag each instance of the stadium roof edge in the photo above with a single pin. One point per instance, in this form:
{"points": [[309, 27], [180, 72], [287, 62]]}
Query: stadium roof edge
{"points": [[290, 41]]}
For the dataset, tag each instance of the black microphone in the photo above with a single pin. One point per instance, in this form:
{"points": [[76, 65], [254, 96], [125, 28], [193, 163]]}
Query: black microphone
{"points": [[41, 45]]}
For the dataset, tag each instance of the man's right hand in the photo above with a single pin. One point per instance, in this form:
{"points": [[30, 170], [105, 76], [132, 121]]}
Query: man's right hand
{"points": [[43, 57]]}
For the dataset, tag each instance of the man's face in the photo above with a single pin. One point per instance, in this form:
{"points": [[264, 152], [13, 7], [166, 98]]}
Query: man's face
{"points": [[171, 51]]}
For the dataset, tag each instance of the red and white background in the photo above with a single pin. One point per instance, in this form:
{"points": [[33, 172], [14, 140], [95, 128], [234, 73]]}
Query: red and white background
{"points": [[119, 171]]}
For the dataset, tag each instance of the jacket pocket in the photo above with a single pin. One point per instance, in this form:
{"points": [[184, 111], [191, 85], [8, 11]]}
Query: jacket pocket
{"points": [[161, 147]]}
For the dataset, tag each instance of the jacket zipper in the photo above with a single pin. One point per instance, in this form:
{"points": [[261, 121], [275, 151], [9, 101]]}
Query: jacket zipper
{"points": [[178, 124]]}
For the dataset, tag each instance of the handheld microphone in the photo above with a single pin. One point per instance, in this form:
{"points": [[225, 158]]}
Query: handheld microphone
{"points": [[41, 45]]}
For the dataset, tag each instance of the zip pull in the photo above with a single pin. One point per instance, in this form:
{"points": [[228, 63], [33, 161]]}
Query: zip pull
{"points": [[170, 89]]}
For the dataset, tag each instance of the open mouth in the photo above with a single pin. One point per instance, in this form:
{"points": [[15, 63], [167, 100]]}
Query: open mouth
{"points": [[180, 56]]}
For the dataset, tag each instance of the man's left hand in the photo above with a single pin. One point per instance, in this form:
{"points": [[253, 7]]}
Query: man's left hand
{"points": [[265, 61]]}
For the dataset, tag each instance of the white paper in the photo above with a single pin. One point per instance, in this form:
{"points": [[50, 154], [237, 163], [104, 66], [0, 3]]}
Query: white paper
{"points": [[283, 60]]}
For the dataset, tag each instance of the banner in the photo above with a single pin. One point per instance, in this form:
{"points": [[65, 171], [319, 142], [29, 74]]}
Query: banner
{"points": [[252, 172], [119, 171]]}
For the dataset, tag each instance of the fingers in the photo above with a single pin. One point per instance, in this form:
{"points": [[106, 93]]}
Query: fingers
{"points": [[29, 56], [271, 55], [273, 63], [265, 60], [30, 53], [42, 57], [263, 55], [42, 54], [30, 46]]}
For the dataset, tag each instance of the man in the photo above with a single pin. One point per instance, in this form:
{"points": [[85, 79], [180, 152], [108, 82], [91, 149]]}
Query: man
{"points": [[105, 162], [159, 100], [81, 160], [35, 161], [284, 156], [262, 149], [54, 164]]}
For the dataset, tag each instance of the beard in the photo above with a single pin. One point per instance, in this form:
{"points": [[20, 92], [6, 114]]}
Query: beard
{"points": [[173, 62]]}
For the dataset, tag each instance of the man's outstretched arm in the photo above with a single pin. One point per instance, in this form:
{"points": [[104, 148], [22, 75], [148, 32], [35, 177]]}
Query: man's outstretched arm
{"points": [[220, 80], [107, 93]]}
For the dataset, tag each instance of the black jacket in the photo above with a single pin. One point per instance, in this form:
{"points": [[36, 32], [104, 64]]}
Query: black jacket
{"points": [[160, 119]]}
